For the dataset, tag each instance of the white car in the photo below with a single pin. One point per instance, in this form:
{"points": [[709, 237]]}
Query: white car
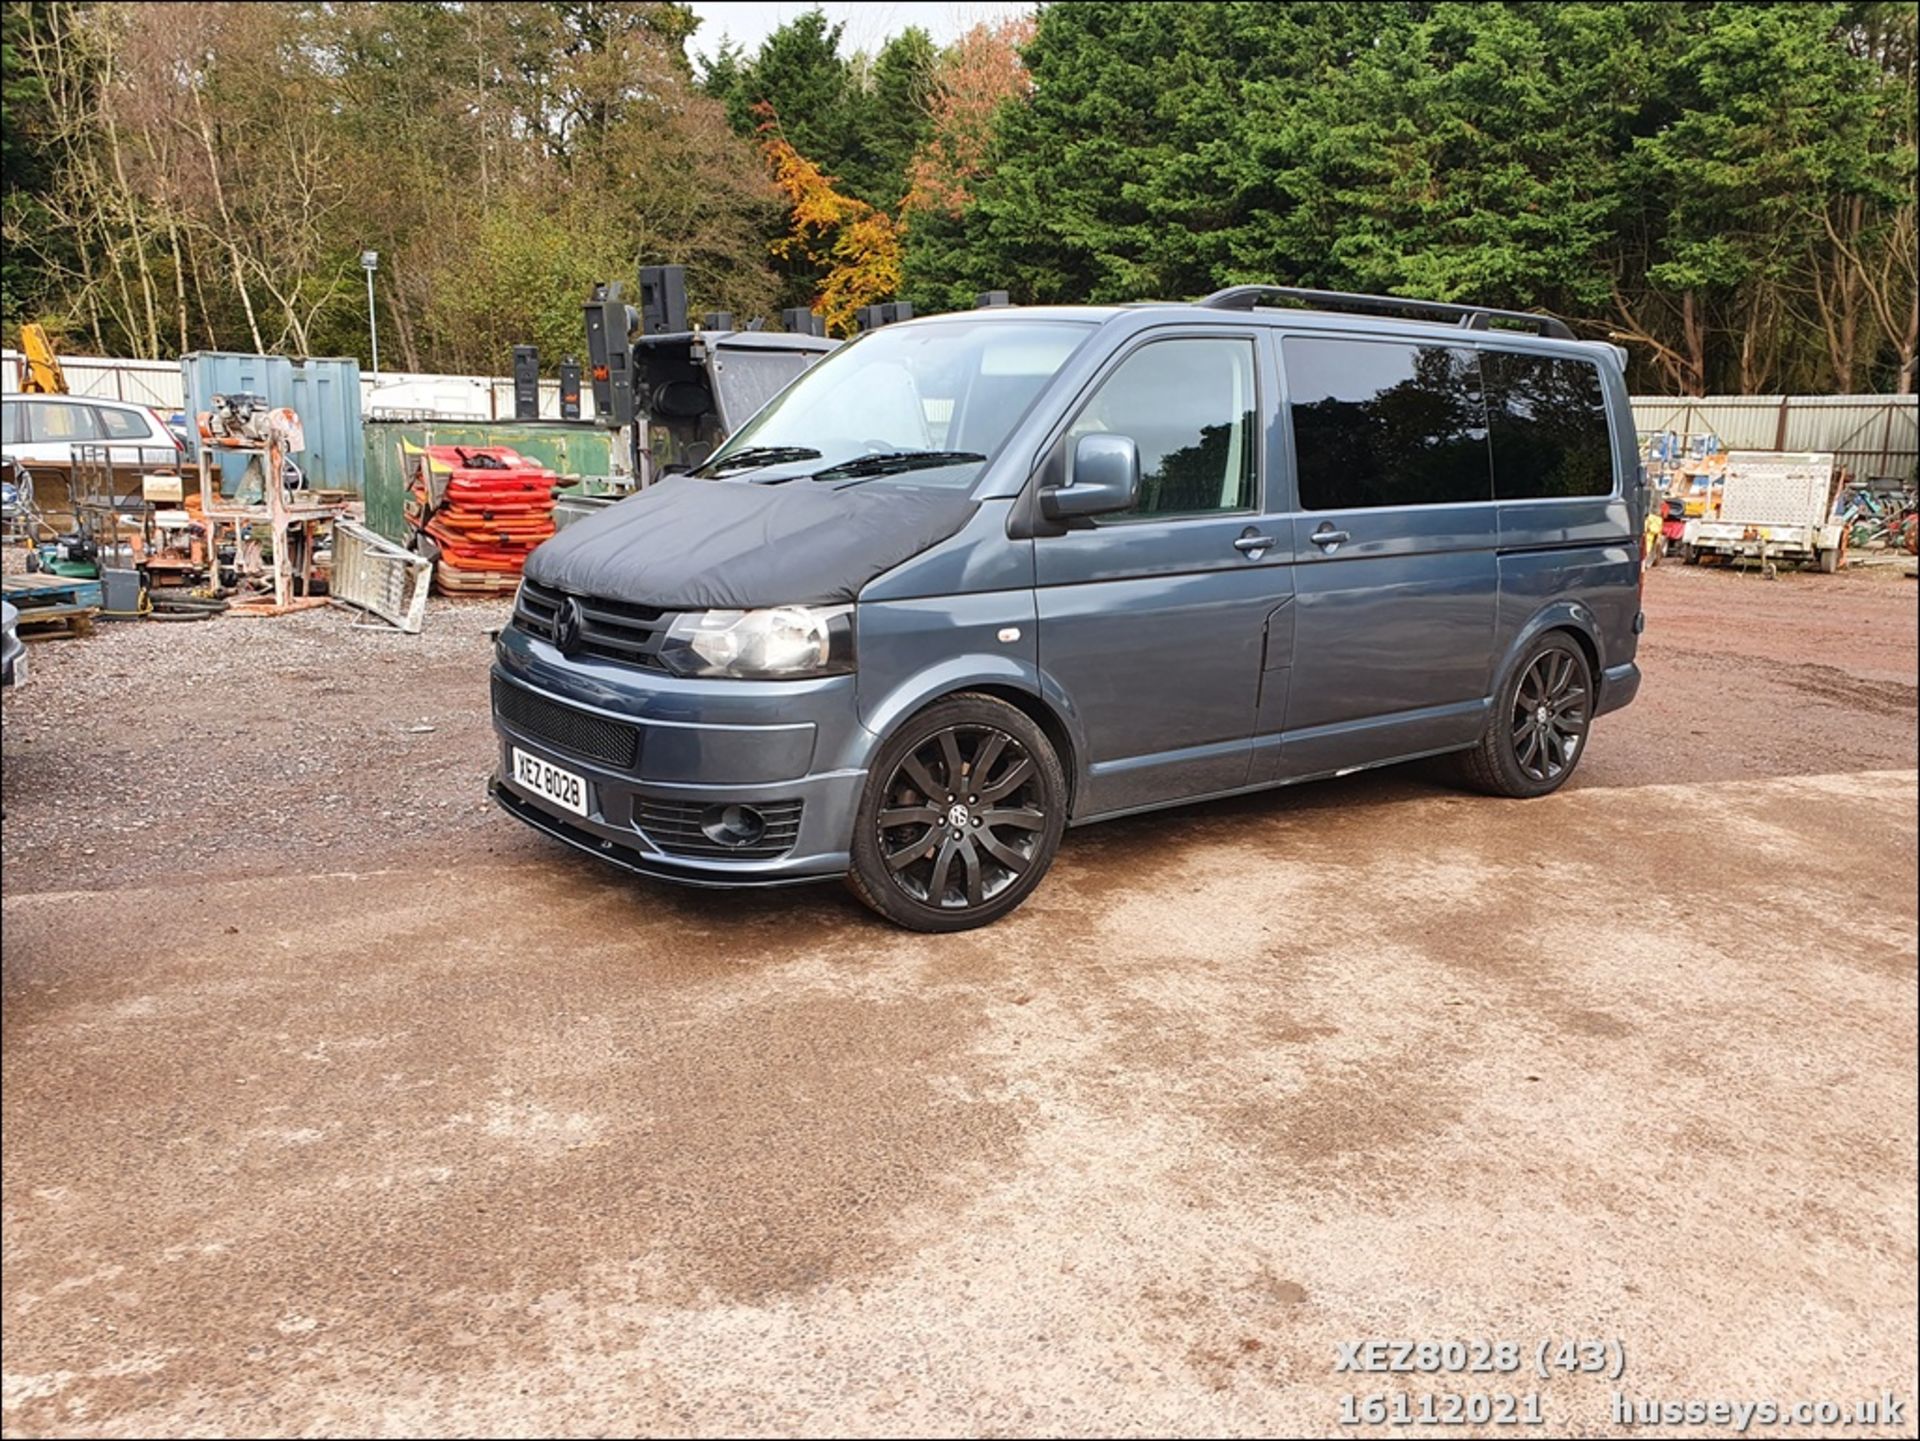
{"points": [[40, 431]]}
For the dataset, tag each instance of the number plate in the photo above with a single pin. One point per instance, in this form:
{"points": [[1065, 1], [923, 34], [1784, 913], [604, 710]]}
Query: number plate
{"points": [[550, 782]]}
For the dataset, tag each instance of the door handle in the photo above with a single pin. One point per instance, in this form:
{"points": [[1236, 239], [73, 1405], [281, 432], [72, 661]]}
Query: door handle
{"points": [[1327, 537], [1252, 543]]}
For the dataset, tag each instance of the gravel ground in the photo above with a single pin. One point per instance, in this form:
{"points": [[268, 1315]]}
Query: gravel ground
{"points": [[250, 745], [414, 1124]]}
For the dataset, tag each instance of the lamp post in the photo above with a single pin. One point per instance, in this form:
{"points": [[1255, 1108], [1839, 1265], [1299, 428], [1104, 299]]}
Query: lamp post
{"points": [[370, 262]]}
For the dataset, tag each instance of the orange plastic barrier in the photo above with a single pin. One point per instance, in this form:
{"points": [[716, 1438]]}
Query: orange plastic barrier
{"points": [[485, 507]]}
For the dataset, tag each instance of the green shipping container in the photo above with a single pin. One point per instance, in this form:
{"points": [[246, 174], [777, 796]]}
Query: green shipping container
{"points": [[573, 450]]}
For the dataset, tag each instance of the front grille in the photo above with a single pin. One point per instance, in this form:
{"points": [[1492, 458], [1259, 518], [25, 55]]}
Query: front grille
{"points": [[674, 826], [609, 629], [565, 728]]}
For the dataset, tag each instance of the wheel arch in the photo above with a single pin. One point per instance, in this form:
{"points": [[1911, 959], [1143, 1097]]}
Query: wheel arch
{"points": [[1051, 723], [1587, 646], [1564, 615], [1024, 690]]}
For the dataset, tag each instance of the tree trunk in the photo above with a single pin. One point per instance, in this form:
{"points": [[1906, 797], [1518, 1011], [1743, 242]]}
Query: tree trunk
{"points": [[402, 323], [93, 300], [200, 298], [1909, 381], [1755, 367], [1672, 364], [1694, 336], [123, 193], [226, 221], [179, 284]]}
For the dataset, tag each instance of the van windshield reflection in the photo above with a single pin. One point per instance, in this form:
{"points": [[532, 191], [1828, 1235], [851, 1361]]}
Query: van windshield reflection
{"points": [[930, 402]]}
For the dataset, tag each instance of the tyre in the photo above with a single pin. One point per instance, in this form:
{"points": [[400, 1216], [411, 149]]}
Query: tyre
{"points": [[1828, 560], [963, 811], [1690, 555], [1538, 730]]}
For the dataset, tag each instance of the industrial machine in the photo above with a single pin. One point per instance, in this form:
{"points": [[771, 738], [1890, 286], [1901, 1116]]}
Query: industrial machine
{"points": [[40, 372], [675, 391], [273, 524], [241, 417]]}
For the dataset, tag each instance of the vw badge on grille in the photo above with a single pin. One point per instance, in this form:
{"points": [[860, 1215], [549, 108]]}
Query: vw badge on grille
{"points": [[566, 626]]}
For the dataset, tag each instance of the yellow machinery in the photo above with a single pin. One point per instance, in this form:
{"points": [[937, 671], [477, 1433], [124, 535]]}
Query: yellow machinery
{"points": [[40, 367]]}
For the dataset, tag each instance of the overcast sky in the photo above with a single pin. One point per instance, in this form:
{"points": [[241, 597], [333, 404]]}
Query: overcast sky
{"points": [[869, 23]]}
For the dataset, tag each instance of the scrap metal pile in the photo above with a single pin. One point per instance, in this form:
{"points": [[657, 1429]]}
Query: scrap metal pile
{"points": [[477, 511]]}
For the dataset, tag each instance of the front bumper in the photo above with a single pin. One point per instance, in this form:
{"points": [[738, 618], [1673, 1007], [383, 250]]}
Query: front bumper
{"points": [[695, 744], [629, 857]]}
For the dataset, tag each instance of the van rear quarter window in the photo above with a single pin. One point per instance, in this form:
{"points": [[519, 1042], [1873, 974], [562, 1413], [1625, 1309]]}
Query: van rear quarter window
{"points": [[1549, 420], [1378, 423]]}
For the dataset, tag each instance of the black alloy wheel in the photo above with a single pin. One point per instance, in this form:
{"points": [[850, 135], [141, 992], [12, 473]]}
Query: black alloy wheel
{"points": [[1551, 710], [962, 816], [1540, 723]]}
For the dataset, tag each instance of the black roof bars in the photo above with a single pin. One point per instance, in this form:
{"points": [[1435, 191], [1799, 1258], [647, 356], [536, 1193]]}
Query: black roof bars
{"points": [[1469, 317]]}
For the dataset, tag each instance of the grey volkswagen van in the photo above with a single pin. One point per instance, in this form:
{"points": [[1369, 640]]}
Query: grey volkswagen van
{"points": [[976, 578]]}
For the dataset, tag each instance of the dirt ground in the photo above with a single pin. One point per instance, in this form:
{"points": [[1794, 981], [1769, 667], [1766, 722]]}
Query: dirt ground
{"points": [[336, 1102]]}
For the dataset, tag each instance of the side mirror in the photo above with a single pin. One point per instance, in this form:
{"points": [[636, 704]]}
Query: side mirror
{"points": [[1106, 479]]}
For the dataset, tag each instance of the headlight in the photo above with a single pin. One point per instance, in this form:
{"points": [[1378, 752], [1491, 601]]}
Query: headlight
{"points": [[782, 643]]}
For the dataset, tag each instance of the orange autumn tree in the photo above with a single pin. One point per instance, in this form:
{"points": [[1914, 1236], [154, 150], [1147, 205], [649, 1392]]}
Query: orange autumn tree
{"points": [[861, 249], [858, 246], [977, 75]]}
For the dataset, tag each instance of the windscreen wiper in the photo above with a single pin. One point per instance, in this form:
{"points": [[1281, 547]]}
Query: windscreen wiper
{"points": [[755, 456], [894, 462]]}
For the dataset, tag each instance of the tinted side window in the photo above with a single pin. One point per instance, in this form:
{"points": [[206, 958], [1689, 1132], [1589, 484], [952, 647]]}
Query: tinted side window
{"points": [[50, 421], [1189, 406], [123, 424], [1549, 419], [1378, 423], [10, 423]]}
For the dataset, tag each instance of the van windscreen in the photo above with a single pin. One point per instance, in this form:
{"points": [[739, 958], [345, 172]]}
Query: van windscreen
{"points": [[952, 387]]}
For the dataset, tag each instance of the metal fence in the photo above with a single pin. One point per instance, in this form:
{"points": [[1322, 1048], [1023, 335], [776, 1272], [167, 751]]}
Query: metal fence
{"points": [[1872, 436], [158, 383]]}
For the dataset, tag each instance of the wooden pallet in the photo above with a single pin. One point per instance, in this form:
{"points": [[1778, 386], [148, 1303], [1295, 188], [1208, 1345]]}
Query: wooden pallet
{"points": [[51, 622], [454, 580], [32, 590]]}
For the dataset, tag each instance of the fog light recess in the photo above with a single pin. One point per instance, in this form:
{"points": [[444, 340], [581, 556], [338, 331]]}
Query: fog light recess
{"points": [[733, 825]]}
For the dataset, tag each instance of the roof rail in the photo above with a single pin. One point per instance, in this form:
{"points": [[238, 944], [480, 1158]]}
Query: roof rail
{"points": [[1469, 317]]}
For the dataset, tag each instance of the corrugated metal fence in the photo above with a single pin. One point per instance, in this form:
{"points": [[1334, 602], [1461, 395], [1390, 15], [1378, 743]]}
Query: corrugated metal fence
{"points": [[157, 383], [1871, 435]]}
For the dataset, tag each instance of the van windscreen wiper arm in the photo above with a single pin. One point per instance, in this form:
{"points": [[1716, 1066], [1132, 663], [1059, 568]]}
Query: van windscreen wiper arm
{"points": [[758, 455], [892, 462]]}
